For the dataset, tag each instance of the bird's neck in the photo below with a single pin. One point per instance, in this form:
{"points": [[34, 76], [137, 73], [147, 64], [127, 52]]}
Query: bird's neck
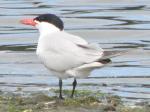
{"points": [[47, 29]]}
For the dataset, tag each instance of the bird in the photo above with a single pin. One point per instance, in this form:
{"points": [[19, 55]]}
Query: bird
{"points": [[64, 54]]}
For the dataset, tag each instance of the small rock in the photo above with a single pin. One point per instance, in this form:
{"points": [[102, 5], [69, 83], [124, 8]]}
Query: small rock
{"points": [[28, 110], [49, 104], [109, 108], [94, 104]]}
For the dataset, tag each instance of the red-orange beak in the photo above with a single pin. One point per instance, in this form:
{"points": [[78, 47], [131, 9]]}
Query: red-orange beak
{"points": [[28, 22]]}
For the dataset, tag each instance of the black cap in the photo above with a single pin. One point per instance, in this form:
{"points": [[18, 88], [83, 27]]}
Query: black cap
{"points": [[51, 18]]}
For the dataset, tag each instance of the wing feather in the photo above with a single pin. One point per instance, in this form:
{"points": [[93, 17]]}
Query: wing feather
{"points": [[66, 51]]}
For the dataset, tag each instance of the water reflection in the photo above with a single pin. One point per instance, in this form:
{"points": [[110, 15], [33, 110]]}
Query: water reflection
{"points": [[19, 47]]}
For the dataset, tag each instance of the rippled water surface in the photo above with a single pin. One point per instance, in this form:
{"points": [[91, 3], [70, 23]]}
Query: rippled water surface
{"points": [[114, 24]]}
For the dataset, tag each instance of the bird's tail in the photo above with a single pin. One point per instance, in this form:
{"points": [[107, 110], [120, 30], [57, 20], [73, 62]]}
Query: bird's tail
{"points": [[111, 54]]}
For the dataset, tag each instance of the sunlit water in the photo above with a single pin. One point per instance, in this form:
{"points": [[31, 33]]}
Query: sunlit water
{"points": [[114, 24]]}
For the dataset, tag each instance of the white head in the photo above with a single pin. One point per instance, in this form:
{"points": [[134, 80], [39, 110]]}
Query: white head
{"points": [[46, 23]]}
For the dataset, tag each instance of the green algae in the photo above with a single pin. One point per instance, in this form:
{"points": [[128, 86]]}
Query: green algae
{"points": [[84, 101], [80, 93], [145, 108]]}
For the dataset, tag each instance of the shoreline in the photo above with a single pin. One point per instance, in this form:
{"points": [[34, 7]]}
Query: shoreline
{"points": [[84, 100]]}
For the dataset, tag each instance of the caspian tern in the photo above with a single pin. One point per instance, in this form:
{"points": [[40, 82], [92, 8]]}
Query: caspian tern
{"points": [[64, 54]]}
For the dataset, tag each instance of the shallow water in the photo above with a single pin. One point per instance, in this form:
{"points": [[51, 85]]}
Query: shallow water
{"points": [[115, 25]]}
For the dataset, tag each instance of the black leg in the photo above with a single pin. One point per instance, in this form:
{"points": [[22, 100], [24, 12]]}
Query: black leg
{"points": [[74, 86], [60, 89]]}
